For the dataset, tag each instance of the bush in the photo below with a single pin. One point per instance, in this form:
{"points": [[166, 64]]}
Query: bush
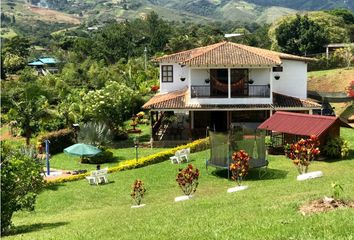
{"points": [[103, 157], [138, 191], [303, 152], [239, 168], [58, 140], [187, 179], [119, 134], [336, 147], [20, 183]]}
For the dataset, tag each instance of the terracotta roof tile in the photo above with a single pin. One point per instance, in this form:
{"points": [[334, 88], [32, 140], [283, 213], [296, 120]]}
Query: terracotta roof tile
{"points": [[177, 100], [281, 101], [171, 100], [228, 53]]}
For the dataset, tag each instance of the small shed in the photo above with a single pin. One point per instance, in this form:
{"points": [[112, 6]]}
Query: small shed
{"points": [[288, 127]]}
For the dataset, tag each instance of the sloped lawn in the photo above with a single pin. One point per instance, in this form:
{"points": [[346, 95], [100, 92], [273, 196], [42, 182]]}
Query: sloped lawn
{"points": [[267, 210], [68, 162]]}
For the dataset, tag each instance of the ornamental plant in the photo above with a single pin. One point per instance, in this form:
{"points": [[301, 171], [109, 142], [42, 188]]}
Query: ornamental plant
{"points": [[303, 152], [138, 191], [187, 179], [239, 168]]}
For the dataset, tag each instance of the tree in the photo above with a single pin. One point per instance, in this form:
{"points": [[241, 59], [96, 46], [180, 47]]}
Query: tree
{"points": [[20, 183], [301, 36], [13, 62], [29, 109], [112, 104], [346, 55], [158, 32], [18, 46]]}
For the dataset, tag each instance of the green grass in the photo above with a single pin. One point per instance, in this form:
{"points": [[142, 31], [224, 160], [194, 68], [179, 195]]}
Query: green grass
{"points": [[267, 210], [67, 162], [325, 72]]}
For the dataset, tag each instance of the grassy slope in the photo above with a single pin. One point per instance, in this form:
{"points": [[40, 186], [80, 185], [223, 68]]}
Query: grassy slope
{"points": [[267, 210], [334, 80]]}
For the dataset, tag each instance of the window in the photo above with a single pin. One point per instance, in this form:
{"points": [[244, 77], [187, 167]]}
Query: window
{"points": [[167, 73], [278, 69]]}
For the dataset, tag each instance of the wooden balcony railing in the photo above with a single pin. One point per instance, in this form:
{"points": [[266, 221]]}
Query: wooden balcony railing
{"points": [[203, 91]]}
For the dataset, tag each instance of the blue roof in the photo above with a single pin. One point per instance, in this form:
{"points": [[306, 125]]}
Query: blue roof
{"points": [[42, 61], [48, 60], [36, 63]]}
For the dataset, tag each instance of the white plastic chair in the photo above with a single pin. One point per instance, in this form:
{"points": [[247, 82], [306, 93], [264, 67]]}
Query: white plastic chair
{"points": [[184, 155], [101, 176]]}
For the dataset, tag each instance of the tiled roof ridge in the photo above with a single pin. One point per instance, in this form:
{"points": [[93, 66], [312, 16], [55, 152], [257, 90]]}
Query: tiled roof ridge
{"points": [[212, 46], [208, 49]]}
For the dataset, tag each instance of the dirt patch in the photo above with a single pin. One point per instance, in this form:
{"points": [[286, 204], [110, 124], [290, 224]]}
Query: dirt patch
{"points": [[333, 82], [54, 16], [325, 205]]}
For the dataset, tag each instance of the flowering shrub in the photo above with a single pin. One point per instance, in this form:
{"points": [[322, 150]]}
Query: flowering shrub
{"points": [[187, 179], [303, 152], [350, 90], [239, 168], [138, 191], [154, 88]]}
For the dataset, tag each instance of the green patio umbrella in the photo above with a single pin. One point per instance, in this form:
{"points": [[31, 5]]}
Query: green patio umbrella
{"points": [[82, 150]]}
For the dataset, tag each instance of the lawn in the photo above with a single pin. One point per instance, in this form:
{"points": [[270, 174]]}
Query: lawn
{"points": [[68, 162], [267, 210]]}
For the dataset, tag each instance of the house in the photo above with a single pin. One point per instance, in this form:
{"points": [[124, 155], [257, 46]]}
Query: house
{"points": [[287, 127], [226, 85], [44, 65]]}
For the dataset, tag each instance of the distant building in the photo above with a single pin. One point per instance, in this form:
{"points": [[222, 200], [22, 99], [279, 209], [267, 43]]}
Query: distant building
{"points": [[45, 65], [334, 46]]}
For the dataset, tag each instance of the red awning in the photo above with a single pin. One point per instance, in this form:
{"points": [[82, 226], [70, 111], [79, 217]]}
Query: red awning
{"points": [[300, 124]]}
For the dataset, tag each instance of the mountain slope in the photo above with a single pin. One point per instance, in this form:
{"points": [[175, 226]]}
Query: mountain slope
{"points": [[306, 4], [75, 11]]}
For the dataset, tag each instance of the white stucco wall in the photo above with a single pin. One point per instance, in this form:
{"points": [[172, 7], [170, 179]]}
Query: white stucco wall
{"points": [[198, 76], [293, 79], [177, 84], [260, 76]]}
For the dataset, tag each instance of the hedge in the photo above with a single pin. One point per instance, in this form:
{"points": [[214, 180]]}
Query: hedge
{"points": [[58, 140], [196, 146]]}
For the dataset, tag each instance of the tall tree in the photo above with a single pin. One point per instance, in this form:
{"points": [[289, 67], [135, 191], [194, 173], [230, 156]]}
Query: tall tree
{"points": [[158, 32], [301, 36]]}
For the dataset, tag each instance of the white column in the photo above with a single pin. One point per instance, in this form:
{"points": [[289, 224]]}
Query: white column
{"points": [[270, 112], [189, 83], [229, 82], [327, 52], [311, 111], [271, 85]]}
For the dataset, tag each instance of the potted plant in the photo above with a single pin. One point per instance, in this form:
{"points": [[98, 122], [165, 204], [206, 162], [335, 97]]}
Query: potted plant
{"points": [[137, 193], [239, 169], [302, 154], [187, 180]]}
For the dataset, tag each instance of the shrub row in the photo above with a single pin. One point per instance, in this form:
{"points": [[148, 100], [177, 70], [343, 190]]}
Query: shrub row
{"points": [[58, 140], [195, 146]]}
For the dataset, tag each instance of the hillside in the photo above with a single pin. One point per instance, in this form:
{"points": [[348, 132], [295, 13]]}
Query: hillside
{"points": [[306, 4], [73, 12], [335, 80]]}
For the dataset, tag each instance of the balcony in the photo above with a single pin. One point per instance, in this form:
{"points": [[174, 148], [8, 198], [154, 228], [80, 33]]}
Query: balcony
{"points": [[248, 91]]}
